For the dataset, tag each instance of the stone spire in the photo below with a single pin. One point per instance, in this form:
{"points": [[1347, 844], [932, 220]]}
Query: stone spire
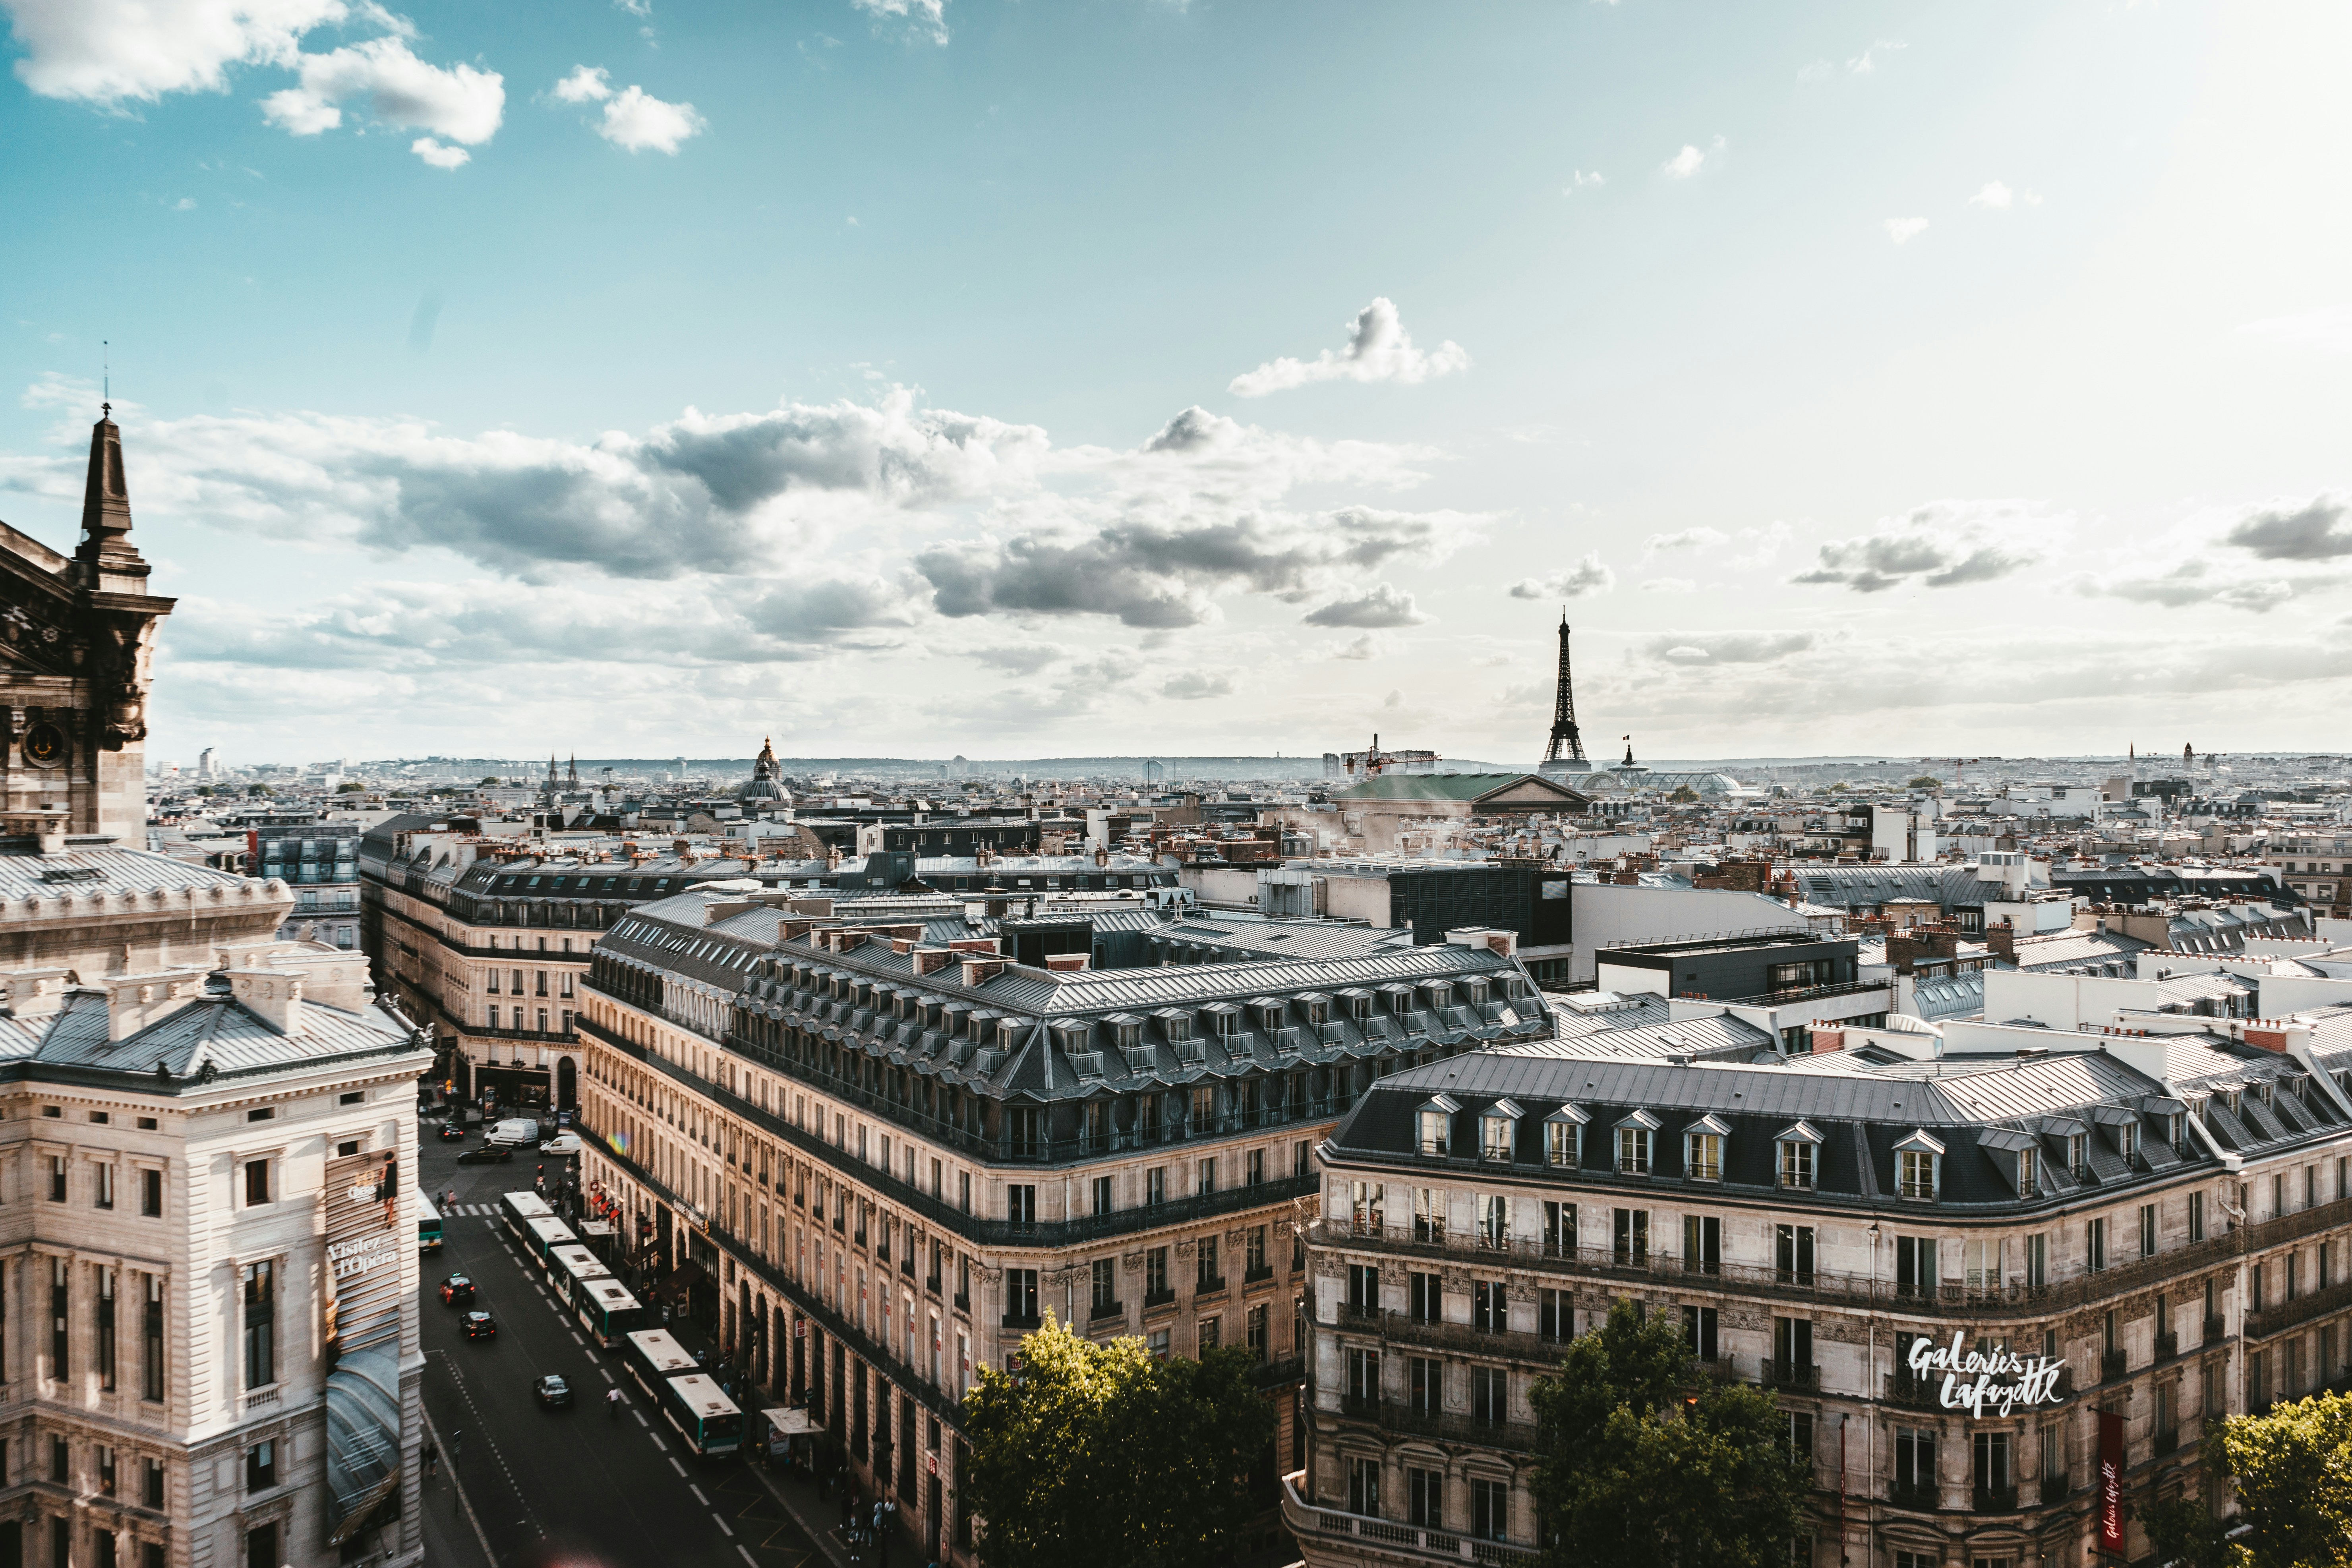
{"points": [[112, 561]]}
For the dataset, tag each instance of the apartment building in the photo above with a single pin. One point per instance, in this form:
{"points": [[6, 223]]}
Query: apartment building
{"points": [[2132, 1229], [879, 1161], [2316, 867]]}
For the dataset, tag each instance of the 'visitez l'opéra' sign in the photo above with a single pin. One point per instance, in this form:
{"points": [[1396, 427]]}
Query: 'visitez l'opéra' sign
{"points": [[1987, 1383]]}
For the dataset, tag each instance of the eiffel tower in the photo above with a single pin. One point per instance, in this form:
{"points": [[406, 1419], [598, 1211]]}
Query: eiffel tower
{"points": [[1566, 752]]}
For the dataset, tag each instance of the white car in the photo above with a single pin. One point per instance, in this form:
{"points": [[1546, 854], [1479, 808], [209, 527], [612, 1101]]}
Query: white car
{"points": [[561, 1143]]}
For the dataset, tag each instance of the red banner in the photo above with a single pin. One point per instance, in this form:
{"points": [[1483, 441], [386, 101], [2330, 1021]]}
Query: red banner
{"points": [[2111, 1482]]}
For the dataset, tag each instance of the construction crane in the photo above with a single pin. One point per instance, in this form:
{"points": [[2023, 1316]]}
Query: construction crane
{"points": [[1957, 764]]}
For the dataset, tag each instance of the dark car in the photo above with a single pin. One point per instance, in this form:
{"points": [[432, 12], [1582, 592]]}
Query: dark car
{"points": [[480, 1325], [457, 1291], [489, 1154], [552, 1391], [452, 1132]]}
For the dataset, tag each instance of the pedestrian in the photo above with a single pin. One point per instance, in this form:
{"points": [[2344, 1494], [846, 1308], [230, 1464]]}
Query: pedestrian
{"points": [[849, 1507], [432, 1459]]}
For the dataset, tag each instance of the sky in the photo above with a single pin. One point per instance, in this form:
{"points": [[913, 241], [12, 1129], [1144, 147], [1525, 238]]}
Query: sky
{"points": [[922, 377]]}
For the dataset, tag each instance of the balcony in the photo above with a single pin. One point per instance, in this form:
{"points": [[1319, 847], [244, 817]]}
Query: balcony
{"points": [[1106, 1311], [2213, 1328], [1021, 1322], [1403, 1328], [1796, 1376], [2302, 1310], [1917, 1393], [2167, 1439], [1924, 1499], [1396, 1415], [2112, 1367], [2167, 1344], [2054, 1487], [1996, 1500], [1155, 1300], [1358, 1537]]}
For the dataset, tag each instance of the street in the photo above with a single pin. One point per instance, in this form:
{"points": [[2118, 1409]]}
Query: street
{"points": [[575, 1484]]}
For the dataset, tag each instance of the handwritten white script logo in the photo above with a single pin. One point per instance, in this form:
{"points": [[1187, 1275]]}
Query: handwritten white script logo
{"points": [[2002, 1380]]}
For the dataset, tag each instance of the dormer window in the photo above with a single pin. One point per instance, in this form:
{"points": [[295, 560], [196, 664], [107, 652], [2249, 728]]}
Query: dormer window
{"points": [[1918, 1167], [1564, 1138], [1633, 1143], [1797, 1158], [2128, 1139], [1703, 1149], [1497, 1127], [1434, 1122], [2078, 1154]]}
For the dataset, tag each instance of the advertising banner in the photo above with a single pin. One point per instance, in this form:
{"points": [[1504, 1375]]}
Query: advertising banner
{"points": [[2111, 1482], [365, 1242]]}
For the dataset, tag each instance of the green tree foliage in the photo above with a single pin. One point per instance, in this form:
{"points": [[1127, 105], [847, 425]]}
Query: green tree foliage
{"points": [[350, 787], [1646, 1465], [2293, 1472], [1099, 1454], [488, 783], [1684, 796], [1925, 780], [258, 789]]}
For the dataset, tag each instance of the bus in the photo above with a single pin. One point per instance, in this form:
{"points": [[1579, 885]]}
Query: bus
{"points": [[540, 1237], [710, 1423], [519, 1209], [428, 1223], [607, 1311], [654, 1356], [570, 1266]]}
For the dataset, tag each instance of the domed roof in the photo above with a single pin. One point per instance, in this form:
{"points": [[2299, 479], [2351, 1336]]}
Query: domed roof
{"points": [[763, 785]]}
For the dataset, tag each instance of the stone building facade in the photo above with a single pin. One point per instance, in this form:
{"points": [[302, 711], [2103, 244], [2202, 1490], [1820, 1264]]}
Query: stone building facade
{"points": [[879, 1161]]}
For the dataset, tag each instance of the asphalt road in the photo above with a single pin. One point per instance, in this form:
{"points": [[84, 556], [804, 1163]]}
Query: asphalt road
{"points": [[573, 1486]]}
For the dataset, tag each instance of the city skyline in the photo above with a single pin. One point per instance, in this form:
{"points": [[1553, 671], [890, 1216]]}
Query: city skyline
{"points": [[1176, 379]]}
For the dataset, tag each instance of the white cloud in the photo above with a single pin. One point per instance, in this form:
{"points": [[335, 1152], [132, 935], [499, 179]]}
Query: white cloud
{"points": [[1382, 605], [586, 84], [401, 91], [1691, 160], [1943, 544], [1729, 647], [1379, 349], [1581, 180], [1993, 195], [1588, 576], [107, 51], [1866, 62], [1368, 645], [637, 121], [1758, 546], [2195, 582], [1903, 231], [1697, 538], [1193, 685], [2326, 331], [439, 154], [184, 205], [926, 19], [1669, 585]]}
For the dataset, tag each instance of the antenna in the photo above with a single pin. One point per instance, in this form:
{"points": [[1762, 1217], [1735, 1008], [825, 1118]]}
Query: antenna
{"points": [[106, 376]]}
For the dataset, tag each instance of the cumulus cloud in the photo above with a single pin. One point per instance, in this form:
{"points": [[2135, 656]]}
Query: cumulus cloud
{"points": [[110, 51], [1162, 573], [1582, 179], [586, 84], [1903, 231], [639, 121], [461, 104], [1212, 451], [1701, 537], [1381, 605], [922, 19], [2317, 530], [1864, 63], [1588, 576], [1729, 647], [1944, 544], [1691, 158], [1379, 349], [1193, 685], [2195, 582], [1368, 645], [1020, 658], [1993, 195], [439, 155]]}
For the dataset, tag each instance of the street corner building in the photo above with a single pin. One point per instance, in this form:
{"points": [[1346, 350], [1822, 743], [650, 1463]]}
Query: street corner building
{"points": [[873, 1160], [1999, 1280], [208, 1349]]}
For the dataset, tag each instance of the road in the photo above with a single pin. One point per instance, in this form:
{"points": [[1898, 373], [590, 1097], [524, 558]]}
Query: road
{"points": [[574, 1486]]}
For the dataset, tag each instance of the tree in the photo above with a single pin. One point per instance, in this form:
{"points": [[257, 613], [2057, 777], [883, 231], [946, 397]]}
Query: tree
{"points": [[2181, 1530], [1092, 1454], [2293, 1472], [1925, 780], [258, 789], [1643, 1465], [488, 783], [351, 786], [1684, 796]]}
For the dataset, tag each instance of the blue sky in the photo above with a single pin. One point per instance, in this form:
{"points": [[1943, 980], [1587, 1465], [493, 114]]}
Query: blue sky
{"points": [[1134, 376]]}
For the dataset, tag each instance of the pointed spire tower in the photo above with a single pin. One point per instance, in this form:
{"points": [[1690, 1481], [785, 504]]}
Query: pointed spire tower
{"points": [[110, 562], [1565, 755]]}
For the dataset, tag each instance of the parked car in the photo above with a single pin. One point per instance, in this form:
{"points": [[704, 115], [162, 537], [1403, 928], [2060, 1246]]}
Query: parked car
{"points": [[488, 1155], [480, 1325], [552, 1391], [457, 1291], [452, 1132], [561, 1143]]}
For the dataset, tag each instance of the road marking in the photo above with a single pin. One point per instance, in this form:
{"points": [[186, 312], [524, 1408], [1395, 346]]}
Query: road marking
{"points": [[607, 1371], [697, 1494], [657, 1442], [678, 1468], [722, 1524], [577, 1341], [747, 1554], [642, 1421]]}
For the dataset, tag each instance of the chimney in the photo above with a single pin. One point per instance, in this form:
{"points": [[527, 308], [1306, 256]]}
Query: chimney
{"points": [[275, 995], [2001, 937], [135, 1001], [1827, 1039], [931, 960], [980, 971], [34, 994], [1065, 962]]}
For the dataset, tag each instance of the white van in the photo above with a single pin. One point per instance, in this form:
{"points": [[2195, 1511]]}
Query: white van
{"points": [[520, 1129]]}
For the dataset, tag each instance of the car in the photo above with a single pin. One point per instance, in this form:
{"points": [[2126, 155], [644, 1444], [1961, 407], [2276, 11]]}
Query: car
{"points": [[561, 1143], [457, 1291], [480, 1325], [452, 1131], [489, 1154], [552, 1391]]}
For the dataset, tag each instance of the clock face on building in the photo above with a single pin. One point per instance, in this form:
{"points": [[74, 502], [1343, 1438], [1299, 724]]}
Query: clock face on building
{"points": [[45, 746]]}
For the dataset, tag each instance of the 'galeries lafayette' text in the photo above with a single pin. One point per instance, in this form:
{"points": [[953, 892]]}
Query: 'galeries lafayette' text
{"points": [[1988, 1381]]}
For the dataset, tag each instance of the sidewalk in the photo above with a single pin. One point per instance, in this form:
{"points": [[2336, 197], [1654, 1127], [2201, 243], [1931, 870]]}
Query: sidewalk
{"points": [[794, 1490], [452, 1539]]}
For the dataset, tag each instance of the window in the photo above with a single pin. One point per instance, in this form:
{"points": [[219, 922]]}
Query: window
{"points": [[1798, 1434], [260, 1325], [261, 1546], [150, 1487], [1916, 1174], [1207, 1176], [1493, 1220], [1980, 1263], [1254, 1171], [106, 1282], [1797, 1164], [1630, 1238], [1424, 1382], [1424, 1498], [257, 1182], [1633, 1151], [1102, 1194], [1915, 1460], [1364, 1486], [1490, 1395], [1428, 1215], [1490, 1508], [1364, 1374], [151, 1365], [103, 1197], [1792, 1254], [1424, 1300], [1155, 1276], [261, 1466], [1703, 1156], [1699, 1331], [1209, 1275], [2147, 1230], [1021, 1296], [1213, 1334], [1020, 1204], [2037, 1262], [61, 1298], [1105, 1288], [1563, 1142], [1702, 1244], [1260, 1338], [1793, 1346], [2196, 1217], [2095, 1245], [1434, 1138], [262, 1114], [150, 1194], [1254, 1253], [1490, 1311], [1915, 1265], [1991, 1454], [57, 1178], [2027, 1166], [1560, 1230], [1155, 1187]]}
